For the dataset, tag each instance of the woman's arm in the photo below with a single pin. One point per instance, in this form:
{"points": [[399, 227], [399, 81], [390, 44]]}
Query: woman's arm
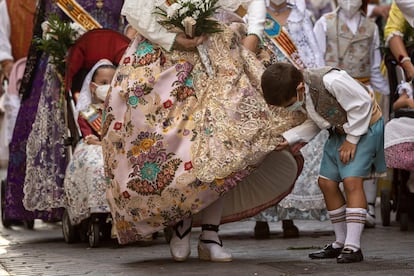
{"points": [[140, 14], [403, 102], [393, 32], [256, 16]]}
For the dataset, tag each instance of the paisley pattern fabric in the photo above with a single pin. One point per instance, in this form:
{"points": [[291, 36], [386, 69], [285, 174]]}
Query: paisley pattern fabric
{"points": [[174, 140], [85, 183]]}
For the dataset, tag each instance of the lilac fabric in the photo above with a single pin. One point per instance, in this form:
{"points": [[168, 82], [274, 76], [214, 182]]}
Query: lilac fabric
{"points": [[33, 86]]}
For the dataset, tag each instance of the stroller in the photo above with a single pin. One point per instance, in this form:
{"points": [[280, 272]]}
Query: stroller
{"points": [[399, 157], [9, 107], [94, 224]]}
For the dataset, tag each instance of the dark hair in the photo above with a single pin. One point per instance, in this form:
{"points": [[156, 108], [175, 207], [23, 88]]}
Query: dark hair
{"points": [[103, 66], [279, 83]]}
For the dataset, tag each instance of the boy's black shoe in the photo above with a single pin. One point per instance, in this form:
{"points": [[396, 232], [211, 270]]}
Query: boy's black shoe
{"points": [[328, 252], [349, 256]]}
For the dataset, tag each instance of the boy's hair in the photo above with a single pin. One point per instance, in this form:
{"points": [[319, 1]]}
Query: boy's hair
{"points": [[279, 83]]}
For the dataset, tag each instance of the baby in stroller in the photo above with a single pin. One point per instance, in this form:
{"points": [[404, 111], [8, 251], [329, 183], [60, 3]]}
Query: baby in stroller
{"points": [[399, 154], [84, 182], [90, 62]]}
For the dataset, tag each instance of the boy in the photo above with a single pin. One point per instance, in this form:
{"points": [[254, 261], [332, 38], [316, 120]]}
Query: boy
{"points": [[333, 100], [350, 40]]}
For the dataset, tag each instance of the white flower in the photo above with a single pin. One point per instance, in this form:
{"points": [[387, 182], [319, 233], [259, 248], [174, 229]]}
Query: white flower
{"points": [[79, 30], [183, 11], [195, 14], [172, 10]]}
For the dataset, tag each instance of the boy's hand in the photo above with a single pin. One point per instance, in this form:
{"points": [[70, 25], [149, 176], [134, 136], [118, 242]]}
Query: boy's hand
{"points": [[282, 145], [295, 149], [347, 152]]}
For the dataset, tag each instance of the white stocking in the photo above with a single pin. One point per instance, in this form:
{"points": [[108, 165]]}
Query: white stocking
{"points": [[212, 215]]}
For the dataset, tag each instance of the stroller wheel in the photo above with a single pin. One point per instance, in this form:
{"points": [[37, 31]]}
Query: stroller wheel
{"points": [[93, 234], [6, 223], [68, 230], [385, 207], [106, 231]]}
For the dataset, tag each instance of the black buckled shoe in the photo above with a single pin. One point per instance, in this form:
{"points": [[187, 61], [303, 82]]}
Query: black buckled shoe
{"points": [[349, 256], [328, 252]]}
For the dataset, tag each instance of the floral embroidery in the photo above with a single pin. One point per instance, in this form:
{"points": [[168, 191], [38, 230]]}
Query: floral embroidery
{"points": [[188, 166], [182, 93], [117, 125], [184, 82], [222, 186], [133, 100], [153, 168], [127, 60], [167, 104], [126, 194], [144, 48], [136, 93], [145, 54]]}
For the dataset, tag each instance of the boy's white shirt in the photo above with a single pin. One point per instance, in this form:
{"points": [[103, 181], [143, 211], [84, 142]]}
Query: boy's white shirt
{"points": [[5, 30], [353, 98], [377, 80]]}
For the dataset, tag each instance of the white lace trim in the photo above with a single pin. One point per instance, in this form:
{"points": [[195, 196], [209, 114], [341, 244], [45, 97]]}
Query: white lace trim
{"points": [[391, 35]]}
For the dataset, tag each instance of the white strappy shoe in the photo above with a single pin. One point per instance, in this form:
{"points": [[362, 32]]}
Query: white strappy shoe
{"points": [[180, 244], [211, 250]]}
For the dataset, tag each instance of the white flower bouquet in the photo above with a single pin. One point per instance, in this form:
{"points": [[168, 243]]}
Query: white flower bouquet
{"points": [[194, 17], [56, 39]]}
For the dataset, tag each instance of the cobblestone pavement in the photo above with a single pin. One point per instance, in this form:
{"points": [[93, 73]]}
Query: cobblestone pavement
{"points": [[42, 251]]}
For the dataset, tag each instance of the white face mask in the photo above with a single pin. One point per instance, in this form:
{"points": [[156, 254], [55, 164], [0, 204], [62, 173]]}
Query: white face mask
{"points": [[278, 2], [350, 7], [101, 91]]}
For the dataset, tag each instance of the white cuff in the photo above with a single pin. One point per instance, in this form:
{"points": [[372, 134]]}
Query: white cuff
{"points": [[256, 13], [352, 139]]}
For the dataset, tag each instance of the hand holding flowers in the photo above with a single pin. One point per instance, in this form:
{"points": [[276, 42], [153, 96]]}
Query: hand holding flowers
{"points": [[195, 19]]}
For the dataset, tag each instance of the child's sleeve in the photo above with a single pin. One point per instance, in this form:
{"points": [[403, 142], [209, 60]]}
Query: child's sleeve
{"points": [[84, 127], [302, 133], [354, 99]]}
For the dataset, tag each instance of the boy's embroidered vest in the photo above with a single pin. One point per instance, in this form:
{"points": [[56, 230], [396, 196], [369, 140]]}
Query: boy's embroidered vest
{"points": [[21, 14], [326, 105], [346, 50]]}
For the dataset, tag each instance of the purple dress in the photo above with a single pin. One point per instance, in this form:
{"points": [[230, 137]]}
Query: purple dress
{"points": [[40, 90]]}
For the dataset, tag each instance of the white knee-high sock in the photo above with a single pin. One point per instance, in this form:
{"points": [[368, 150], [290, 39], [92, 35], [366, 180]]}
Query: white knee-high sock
{"points": [[355, 221], [337, 217], [370, 190]]}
